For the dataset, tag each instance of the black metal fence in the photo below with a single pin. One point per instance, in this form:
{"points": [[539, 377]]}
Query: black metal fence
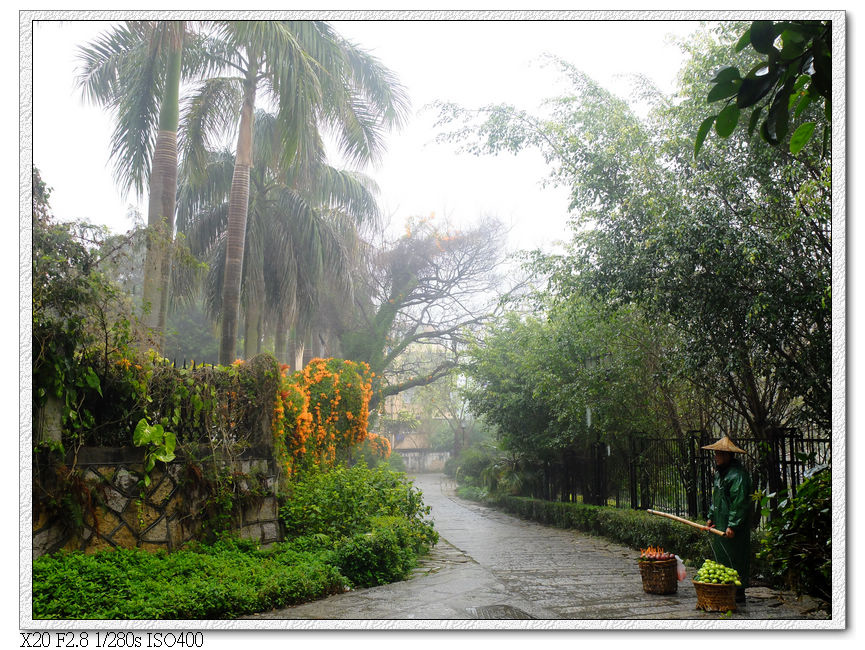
{"points": [[675, 474]]}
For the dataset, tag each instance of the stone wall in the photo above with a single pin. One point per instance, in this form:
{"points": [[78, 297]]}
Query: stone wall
{"points": [[167, 515], [423, 460]]}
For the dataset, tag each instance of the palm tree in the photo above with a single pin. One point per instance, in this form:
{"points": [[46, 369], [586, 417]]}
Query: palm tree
{"points": [[316, 80], [301, 233], [134, 69]]}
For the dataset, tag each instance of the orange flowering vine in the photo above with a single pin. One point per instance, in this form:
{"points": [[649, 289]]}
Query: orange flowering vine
{"points": [[319, 411]]}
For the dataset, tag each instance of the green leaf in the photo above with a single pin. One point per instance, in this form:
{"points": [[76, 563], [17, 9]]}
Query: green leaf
{"points": [[743, 41], [755, 117], [727, 121], [170, 442], [145, 434], [723, 90], [801, 82], [768, 136], [702, 132], [801, 136], [804, 103], [762, 36], [792, 45], [92, 380], [753, 89], [728, 73], [164, 456]]}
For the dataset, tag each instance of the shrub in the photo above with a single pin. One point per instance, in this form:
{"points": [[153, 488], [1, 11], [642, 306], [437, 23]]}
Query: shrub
{"points": [[344, 501], [471, 465], [471, 493], [396, 462], [796, 551], [385, 554]]}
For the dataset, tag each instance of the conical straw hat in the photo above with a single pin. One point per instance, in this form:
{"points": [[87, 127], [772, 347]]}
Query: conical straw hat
{"points": [[725, 444]]}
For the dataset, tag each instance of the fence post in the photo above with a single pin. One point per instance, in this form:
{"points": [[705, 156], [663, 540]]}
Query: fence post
{"points": [[632, 473], [693, 442]]}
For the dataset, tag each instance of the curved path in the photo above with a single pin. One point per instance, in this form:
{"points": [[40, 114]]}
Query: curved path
{"points": [[490, 565]]}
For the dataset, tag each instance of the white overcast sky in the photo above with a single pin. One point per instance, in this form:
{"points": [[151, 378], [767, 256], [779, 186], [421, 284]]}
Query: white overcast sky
{"points": [[472, 63]]}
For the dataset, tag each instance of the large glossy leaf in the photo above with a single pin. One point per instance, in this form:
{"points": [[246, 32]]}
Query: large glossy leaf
{"points": [[141, 435], [727, 73], [727, 121], [753, 89], [767, 131], [762, 36], [702, 132], [723, 90], [801, 136], [744, 40], [755, 117]]}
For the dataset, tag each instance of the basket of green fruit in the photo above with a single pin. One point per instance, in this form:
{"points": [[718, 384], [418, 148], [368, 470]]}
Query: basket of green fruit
{"points": [[658, 570], [716, 585]]}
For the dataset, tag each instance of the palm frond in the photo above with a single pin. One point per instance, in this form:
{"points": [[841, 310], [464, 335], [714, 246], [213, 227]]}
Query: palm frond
{"points": [[124, 70], [205, 189], [208, 116]]}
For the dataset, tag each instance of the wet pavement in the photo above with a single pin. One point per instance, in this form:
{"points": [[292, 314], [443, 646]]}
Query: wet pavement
{"points": [[490, 565]]}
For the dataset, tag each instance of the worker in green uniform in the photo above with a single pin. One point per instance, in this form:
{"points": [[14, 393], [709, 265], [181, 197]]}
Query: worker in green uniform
{"points": [[730, 511]]}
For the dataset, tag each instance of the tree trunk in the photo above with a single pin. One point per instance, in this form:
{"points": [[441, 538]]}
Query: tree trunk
{"points": [[251, 333], [238, 204], [279, 342], [162, 196]]}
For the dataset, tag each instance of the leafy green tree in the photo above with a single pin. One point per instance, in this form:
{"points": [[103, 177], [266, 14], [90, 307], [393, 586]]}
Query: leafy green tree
{"points": [[732, 251], [316, 80], [79, 316], [785, 81]]}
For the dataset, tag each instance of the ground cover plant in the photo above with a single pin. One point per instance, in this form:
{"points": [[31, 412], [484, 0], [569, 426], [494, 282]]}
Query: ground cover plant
{"points": [[350, 527], [226, 579]]}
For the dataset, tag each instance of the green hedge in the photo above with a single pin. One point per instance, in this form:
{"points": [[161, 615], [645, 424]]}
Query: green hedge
{"points": [[633, 528]]}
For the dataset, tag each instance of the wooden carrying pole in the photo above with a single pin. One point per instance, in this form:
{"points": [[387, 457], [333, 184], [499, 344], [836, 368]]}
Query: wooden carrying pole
{"points": [[685, 521]]}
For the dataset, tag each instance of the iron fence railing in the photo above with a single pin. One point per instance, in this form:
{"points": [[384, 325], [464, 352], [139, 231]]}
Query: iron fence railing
{"points": [[675, 474]]}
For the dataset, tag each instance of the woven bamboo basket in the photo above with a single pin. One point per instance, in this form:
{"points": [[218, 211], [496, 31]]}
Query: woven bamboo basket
{"points": [[715, 598], [659, 577]]}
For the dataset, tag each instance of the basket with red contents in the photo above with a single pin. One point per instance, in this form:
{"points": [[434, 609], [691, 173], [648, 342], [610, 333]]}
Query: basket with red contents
{"points": [[658, 570], [716, 585]]}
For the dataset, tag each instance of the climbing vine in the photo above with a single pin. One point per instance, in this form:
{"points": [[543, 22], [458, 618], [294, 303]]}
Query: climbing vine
{"points": [[321, 412]]}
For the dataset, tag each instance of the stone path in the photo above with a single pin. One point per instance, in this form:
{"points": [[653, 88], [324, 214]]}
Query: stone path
{"points": [[490, 565]]}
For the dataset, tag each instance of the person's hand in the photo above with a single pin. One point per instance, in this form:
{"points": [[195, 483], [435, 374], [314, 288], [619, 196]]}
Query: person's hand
{"points": [[730, 533], [709, 524]]}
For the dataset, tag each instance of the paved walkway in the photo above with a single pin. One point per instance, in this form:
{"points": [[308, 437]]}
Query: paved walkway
{"points": [[490, 565]]}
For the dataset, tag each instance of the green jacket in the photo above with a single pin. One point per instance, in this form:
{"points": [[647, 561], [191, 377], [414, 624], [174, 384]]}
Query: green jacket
{"points": [[731, 497]]}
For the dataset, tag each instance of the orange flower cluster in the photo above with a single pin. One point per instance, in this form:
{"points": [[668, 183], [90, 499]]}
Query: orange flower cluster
{"points": [[379, 445], [320, 410]]}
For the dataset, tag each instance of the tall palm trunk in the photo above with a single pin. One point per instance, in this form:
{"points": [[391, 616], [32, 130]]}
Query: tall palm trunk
{"points": [[163, 190], [280, 337], [252, 331], [238, 205]]}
